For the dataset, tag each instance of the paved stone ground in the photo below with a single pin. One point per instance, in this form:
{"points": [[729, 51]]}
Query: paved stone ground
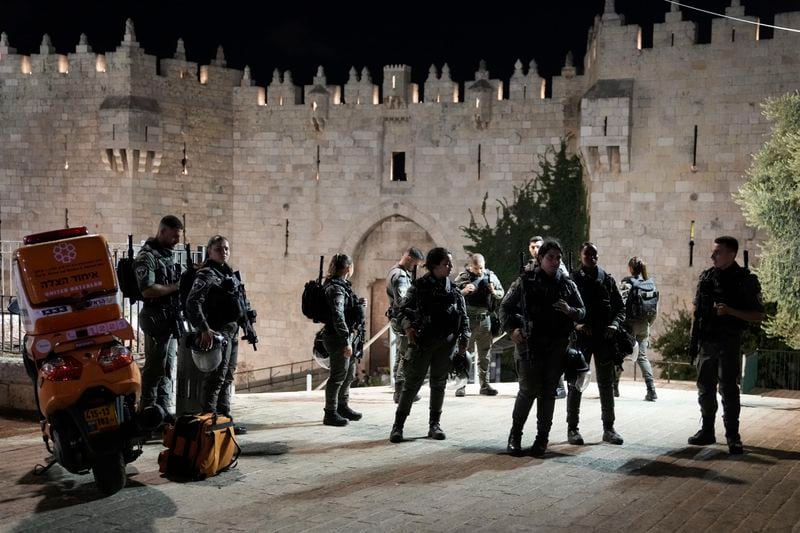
{"points": [[297, 475]]}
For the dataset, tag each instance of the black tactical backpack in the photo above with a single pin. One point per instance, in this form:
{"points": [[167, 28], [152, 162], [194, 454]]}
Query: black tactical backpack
{"points": [[126, 277], [642, 303], [313, 302]]}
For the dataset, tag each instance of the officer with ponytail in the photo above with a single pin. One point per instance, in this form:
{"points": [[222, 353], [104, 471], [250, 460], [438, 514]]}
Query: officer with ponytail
{"points": [[347, 315]]}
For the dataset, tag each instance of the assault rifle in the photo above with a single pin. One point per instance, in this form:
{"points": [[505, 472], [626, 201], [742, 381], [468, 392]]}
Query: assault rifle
{"points": [[523, 300], [248, 314], [703, 312], [176, 311], [359, 329]]}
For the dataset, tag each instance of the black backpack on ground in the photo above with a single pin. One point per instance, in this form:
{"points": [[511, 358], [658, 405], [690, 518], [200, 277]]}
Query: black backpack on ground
{"points": [[126, 277], [313, 302]]}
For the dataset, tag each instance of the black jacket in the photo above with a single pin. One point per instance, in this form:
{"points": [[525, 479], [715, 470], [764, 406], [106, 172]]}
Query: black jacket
{"points": [[435, 308], [600, 294], [539, 292]]}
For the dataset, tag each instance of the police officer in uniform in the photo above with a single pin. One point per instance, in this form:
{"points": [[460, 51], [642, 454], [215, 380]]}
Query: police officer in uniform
{"points": [[434, 318], [397, 283], [346, 319], [539, 312], [154, 267], [213, 309], [605, 314], [728, 297], [482, 291]]}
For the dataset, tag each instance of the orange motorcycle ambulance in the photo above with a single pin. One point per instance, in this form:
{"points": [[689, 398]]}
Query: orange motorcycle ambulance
{"points": [[87, 384]]}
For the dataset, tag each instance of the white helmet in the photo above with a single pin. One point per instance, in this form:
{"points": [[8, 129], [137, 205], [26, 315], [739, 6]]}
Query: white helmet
{"points": [[319, 352], [207, 360]]}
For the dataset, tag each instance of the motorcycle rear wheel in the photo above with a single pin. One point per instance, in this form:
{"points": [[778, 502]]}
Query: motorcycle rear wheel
{"points": [[109, 473]]}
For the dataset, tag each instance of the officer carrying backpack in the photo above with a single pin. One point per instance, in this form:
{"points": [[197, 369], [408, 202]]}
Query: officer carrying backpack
{"points": [[126, 277], [642, 301], [313, 302]]}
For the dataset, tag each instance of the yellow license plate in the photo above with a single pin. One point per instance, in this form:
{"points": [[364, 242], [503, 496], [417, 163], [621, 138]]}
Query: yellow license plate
{"points": [[101, 418]]}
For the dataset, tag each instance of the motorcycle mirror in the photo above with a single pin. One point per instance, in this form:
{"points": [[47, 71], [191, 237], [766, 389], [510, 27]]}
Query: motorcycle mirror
{"points": [[13, 306]]}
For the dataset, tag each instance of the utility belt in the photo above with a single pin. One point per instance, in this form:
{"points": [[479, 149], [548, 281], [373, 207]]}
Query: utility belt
{"points": [[477, 313]]}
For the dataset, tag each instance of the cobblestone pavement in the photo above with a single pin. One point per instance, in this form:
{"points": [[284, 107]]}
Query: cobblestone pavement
{"points": [[297, 475]]}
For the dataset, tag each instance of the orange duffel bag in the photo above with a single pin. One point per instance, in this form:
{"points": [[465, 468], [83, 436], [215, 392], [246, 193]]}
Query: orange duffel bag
{"points": [[199, 446]]}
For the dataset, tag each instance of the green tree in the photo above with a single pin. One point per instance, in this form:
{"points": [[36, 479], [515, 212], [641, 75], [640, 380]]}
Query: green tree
{"points": [[770, 200], [673, 345], [551, 203]]}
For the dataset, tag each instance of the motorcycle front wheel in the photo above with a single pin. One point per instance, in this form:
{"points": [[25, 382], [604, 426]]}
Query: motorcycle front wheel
{"points": [[109, 473]]}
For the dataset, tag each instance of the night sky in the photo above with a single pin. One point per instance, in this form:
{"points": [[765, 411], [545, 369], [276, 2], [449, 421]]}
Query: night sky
{"points": [[299, 35]]}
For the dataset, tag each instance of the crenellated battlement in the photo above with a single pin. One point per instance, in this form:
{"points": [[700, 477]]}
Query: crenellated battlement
{"points": [[609, 33]]}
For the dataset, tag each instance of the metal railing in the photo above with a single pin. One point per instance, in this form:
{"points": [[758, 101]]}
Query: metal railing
{"points": [[11, 333], [272, 375], [669, 365], [777, 369]]}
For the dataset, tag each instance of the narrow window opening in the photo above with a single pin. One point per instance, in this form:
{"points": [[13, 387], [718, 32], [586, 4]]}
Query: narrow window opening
{"points": [[479, 162], [672, 39], [399, 166], [524, 92], [733, 35], [317, 162], [694, 150], [605, 126]]}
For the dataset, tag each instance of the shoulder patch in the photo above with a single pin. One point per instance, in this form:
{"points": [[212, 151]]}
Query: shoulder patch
{"points": [[199, 283], [141, 272]]}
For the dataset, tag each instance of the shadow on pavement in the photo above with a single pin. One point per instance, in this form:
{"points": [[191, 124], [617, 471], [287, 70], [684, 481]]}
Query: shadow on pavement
{"points": [[355, 445], [780, 455], [251, 427], [260, 449], [57, 489], [413, 473], [668, 467]]}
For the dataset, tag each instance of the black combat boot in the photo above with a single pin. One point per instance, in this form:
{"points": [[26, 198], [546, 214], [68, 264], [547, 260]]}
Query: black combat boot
{"points": [[574, 437], [539, 446], [515, 441], [610, 436], [435, 431], [703, 437], [396, 434], [346, 412], [487, 390], [651, 395], [332, 418], [735, 446]]}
